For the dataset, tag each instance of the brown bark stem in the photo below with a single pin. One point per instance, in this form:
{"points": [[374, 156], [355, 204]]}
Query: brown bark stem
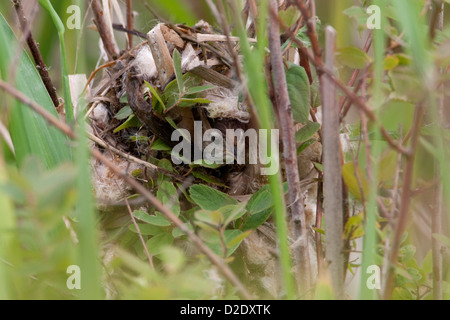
{"points": [[333, 191], [34, 48], [106, 35], [404, 203], [284, 111], [130, 23]]}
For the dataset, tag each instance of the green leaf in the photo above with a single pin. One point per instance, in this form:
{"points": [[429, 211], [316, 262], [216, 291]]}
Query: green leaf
{"points": [[254, 221], [351, 181], [208, 198], [178, 71], [353, 57], [236, 241], [173, 259], [318, 166], [190, 102], [233, 212], [390, 62], [195, 90], [443, 239], [147, 229], [307, 131], [132, 122], [207, 178], [156, 243], [124, 113], [305, 145], [260, 201], [354, 227], [358, 13], [160, 145], [156, 220], [406, 253], [207, 228], [155, 94], [214, 242], [299, 93], [177, 232], [167, 194], [202, 163], [30, 133]]}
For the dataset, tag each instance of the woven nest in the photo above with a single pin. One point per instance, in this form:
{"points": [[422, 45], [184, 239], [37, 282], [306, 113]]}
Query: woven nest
{"points": [[128, 118], [130, 124]]}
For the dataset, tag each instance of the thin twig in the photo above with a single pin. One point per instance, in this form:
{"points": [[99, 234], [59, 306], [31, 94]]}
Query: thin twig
{"points": [[104, 30], [130, 32], [130, 23], [284, 111], [63, 127], [34, 48], [138, 230], [405, 201]]}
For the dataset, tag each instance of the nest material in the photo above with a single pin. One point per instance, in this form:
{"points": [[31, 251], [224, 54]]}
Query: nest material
{"points": [[205, 57]]}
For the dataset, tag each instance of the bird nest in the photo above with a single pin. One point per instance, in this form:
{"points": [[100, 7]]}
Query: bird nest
{"points": [[180, 79]]}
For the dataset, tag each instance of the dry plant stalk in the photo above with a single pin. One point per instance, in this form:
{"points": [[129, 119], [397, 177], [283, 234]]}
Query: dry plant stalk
{"points": [[285, 117], [105, 30], [334, 216], [34, 49]]}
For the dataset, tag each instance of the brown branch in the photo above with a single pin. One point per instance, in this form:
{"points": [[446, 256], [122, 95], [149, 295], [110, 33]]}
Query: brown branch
{"points": [[284, 111], [34, 48], [130, 23], [404, 203], [311, 32], [131, 32], [104, 30], [63, 127]]}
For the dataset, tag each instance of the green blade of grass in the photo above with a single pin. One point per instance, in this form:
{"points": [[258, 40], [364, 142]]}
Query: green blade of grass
{"points": [[7, 225], [369, 244], [30, 134], [88, 253]]}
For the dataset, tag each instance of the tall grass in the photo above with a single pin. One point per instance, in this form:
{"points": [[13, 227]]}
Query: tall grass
{"points": [[370, 238]]}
